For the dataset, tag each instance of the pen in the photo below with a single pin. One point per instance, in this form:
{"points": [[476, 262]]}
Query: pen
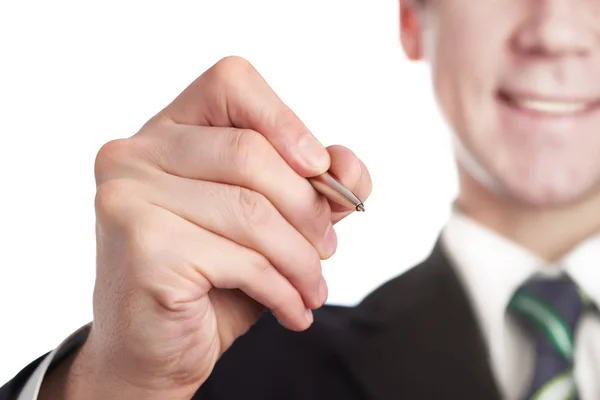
{"points": [[330, 187]]}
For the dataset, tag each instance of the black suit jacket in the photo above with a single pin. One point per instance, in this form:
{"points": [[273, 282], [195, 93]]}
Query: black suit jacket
{"points": [[415, 337]]}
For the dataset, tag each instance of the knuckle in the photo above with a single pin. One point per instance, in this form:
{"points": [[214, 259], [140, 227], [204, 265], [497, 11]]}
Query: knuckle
{"points": [[286, 300], [110, 156], [261, 271], [124, 222], [112, 198], [225, 280], [230, 69], [246, 147], [286, 122], [147, 243], [253, 209], [262, 264], [311, 270], [314, 215]]}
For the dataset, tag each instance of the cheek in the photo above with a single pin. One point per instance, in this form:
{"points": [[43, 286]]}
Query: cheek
{"points": [[464, 72]]}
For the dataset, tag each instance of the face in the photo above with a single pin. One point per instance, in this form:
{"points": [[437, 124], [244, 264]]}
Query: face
{"points": [[519, 83]]}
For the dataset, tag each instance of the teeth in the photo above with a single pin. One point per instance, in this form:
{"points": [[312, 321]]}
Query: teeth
{"points": [[551, 107]]}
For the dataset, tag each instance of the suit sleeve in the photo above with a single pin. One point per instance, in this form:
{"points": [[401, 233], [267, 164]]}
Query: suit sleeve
{"points": [[26, 384]]}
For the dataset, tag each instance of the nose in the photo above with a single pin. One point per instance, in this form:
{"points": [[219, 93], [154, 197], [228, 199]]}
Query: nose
{"points": [[558, 28]]}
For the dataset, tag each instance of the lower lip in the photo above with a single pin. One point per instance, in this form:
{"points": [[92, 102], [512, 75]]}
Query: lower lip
{"points": [[523, 120]]}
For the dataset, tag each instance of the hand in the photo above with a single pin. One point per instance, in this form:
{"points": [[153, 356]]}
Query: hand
{"points": [[204, 218]]}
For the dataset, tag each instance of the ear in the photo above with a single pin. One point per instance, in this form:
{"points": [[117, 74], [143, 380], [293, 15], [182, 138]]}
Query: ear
{"points": [[410, 30]]}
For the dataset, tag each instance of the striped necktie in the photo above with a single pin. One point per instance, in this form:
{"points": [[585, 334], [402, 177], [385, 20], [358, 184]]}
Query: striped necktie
{"points": [[550, 310]]}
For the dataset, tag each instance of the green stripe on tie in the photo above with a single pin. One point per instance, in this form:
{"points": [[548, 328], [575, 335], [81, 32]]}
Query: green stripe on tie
{"points": [[540, 313]]}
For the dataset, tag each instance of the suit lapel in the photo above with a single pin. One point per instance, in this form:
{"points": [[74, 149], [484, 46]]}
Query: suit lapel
{"points": [[416, 337]]}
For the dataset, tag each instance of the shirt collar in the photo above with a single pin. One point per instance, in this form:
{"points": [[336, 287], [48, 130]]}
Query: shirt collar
{"points": [[492, 267], [583, 265]]}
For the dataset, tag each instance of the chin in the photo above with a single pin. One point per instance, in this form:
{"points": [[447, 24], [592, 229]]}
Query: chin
{"points": [[544, 187], [541, 193]]}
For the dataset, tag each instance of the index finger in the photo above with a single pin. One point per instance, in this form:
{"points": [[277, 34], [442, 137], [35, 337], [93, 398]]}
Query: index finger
{"points": [[233, 94]]}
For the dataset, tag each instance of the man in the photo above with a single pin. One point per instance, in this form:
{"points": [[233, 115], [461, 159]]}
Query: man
{"points": [[205, 218]]}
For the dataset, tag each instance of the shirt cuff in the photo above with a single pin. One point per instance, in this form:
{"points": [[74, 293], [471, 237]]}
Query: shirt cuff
{"points": [[34, 383]]}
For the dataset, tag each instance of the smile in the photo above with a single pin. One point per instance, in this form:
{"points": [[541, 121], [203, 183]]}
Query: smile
{"points": [[548, 107]]}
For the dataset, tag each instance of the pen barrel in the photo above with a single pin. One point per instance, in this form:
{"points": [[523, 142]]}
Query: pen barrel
{"points": [[329, 187]]}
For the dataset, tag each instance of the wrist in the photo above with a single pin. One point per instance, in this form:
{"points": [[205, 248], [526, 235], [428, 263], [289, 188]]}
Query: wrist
{"points": [[87, 375]]}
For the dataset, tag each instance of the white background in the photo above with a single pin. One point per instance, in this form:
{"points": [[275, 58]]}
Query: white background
{"points": [[75, 74]]}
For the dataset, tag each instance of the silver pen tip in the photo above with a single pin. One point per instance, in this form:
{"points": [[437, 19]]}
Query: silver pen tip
{"points": [[360, 207]]}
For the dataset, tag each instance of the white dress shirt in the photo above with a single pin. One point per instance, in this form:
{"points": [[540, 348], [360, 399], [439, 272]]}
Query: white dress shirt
{"points": [[491, 268]]}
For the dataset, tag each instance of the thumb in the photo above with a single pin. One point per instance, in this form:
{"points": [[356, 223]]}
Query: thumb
{"points": [[353, 174], [233, 94]]}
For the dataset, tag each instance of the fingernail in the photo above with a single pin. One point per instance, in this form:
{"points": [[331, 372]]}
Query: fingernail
{"points": [[313, 154], [330, 241], [309, 315], [323, 290]]}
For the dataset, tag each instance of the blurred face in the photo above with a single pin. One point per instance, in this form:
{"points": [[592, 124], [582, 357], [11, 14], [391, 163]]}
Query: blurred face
{"points": [[519, 83]]}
